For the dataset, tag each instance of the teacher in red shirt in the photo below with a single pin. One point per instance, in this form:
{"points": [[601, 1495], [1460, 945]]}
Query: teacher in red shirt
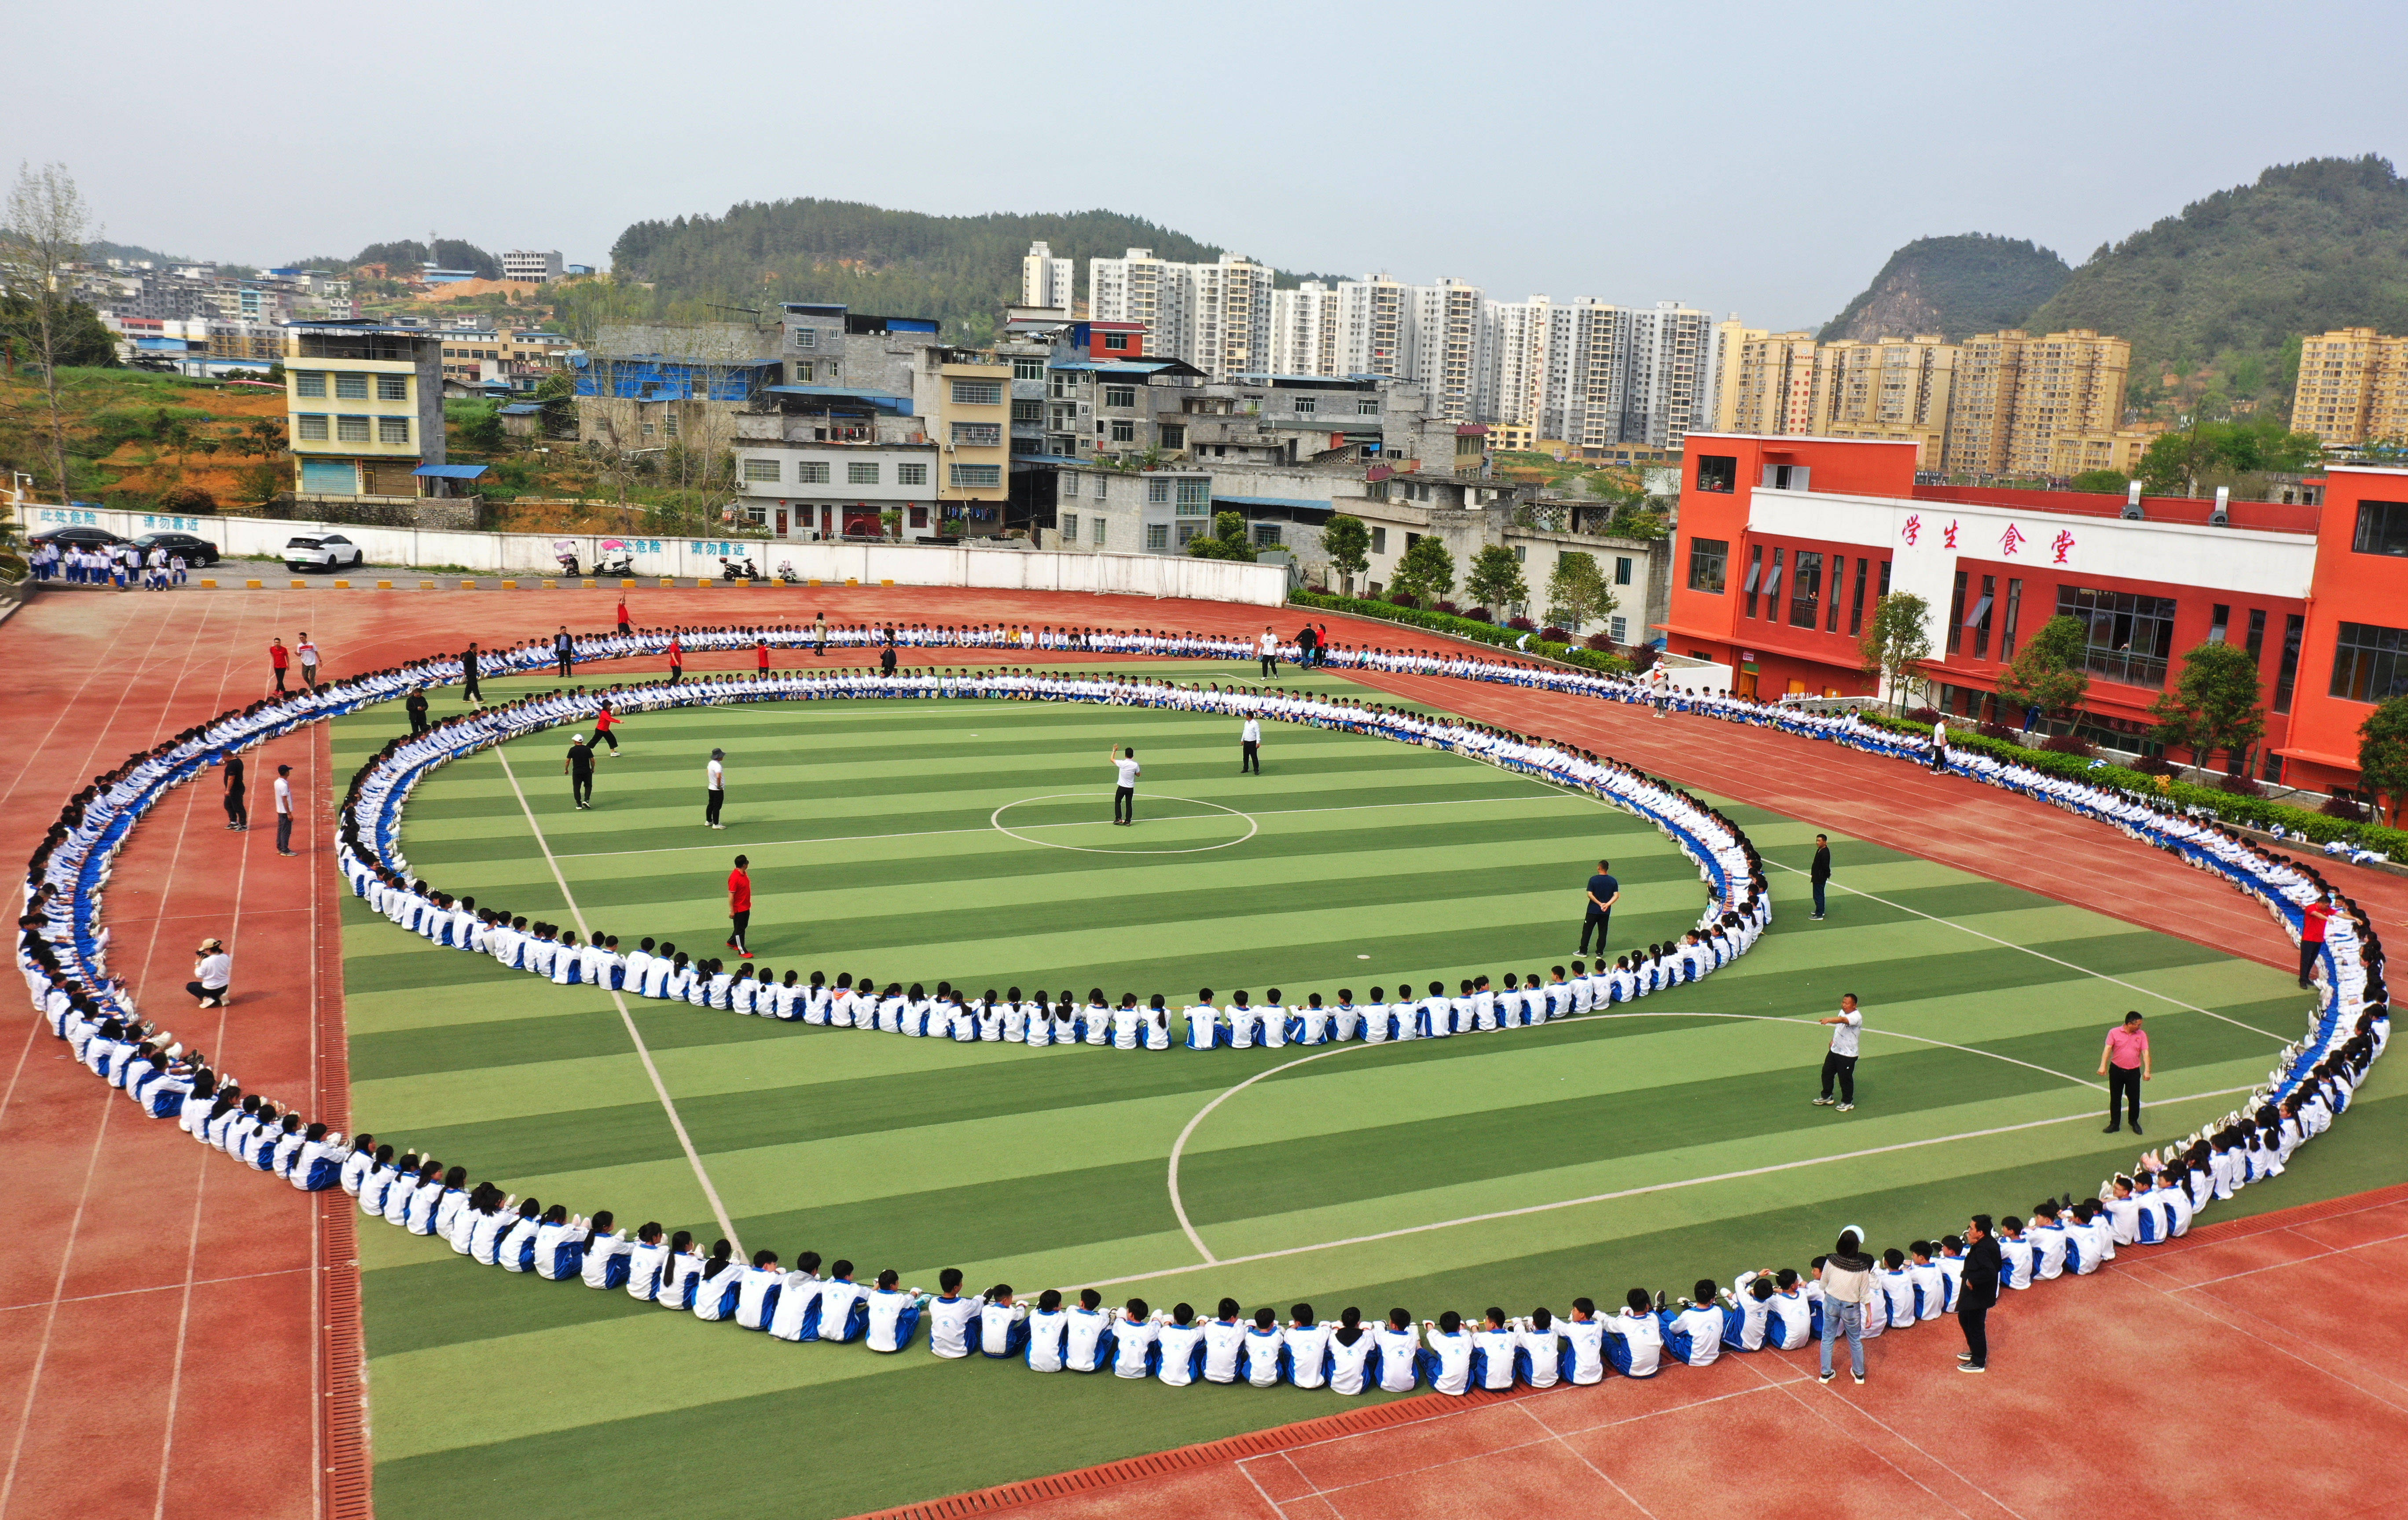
{"points": [[739, 909], [2312, 937], [2125, 1064]]}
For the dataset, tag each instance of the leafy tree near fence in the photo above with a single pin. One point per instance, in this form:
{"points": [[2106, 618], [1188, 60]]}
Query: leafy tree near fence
{"points": [[1896, 639], [1348, 543], [1577, 592], [2214, 706], [1496, 579], [1426, 572], [1227, 540], [2046, 673]]}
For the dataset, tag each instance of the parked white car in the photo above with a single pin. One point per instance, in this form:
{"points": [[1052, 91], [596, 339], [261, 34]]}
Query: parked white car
{"points": [[320, 552]]}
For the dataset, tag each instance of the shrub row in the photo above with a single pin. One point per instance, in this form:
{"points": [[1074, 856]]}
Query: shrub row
{"points": [[1561, 651]]}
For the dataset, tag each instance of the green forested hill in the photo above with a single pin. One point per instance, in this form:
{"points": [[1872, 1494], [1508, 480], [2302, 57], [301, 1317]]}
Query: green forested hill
{"points": [[960, 269], [1974, 282]]}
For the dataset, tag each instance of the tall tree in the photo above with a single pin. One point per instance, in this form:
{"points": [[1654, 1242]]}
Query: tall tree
{"points": [[1426, 572], [2214, 706], [43, 232], [1348, 543], [1577, 592], [2046, 673], [1896, 639], [1496, 579], [2382, 754]]}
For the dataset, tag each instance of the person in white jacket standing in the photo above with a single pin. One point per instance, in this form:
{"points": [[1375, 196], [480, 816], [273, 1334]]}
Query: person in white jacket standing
{"points": [[1848, 1287]]}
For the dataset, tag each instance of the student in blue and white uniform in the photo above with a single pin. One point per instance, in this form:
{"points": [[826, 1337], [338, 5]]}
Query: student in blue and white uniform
{"points": [[893, 1312], [1002, 1324], [1179, 1345], [1087, 1341]]}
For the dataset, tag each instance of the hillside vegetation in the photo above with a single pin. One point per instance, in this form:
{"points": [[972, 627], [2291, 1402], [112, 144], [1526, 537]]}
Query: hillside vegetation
{"points": [[1974, 282]]}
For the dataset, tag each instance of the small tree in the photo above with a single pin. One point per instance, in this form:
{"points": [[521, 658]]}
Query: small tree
{"points": [[2047, 672], [42, 234], [1897, 640], [1227, 540], [2104, 482], [1348, 543], [1577, 592], [1496, 579], [2214, 706], [1427, 570], [2382, 754]]}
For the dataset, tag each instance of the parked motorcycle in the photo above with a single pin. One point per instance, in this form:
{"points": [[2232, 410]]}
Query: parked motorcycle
{"points": [[742, 569], [786, 576], [616, 562]]}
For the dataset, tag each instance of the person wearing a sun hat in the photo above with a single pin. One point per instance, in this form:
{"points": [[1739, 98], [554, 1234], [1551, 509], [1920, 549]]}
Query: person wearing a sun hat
{"points": [[212, 980]]}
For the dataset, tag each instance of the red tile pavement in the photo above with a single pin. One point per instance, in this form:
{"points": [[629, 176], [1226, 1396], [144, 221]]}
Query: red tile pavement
{"points": [[210, 1298]]}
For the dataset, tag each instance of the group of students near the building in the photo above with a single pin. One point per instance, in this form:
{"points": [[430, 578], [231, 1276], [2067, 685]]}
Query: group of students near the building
{"points": [[63, 949], [118, 564]]}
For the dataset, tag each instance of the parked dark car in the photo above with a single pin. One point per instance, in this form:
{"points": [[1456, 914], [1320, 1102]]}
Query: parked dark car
{"points": [[196, 551], [80, 534]]}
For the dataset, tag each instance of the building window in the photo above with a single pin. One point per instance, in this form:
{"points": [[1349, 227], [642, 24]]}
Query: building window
{"points": [[1157, 491], [1117, 342], [1618, 629], [978, 434], [2129, 636], [1981, 617], [1521, 554], [1367, 407], [309, 382], [1095, 526], [351, 430], [1839, 585], [1174, 436], [857, 473], [1806, 590], [2293, 624], [669, 421], [1884, 579], [1709, 561], [2382, 527], [1069, 527], [392, 430], [1755, 573], [2219, 621], [2371, 662], [1307, 405], [804, 370], [807, 338], [975, 476], [1120, 396], [1066, 416], [350, 387], [2256, 633], [1195, 496], [313, 426], [1772, 587], [978, 393], [1124, 431], [1379, 540], [911, 475], [1028, 369], [1718, 473], [1188, 533], [810, 472], [761, 469], [1027, 409], [1063, 383], [1956, 616], [1621, 568], [393, 387], [1157, 536], [1070, 485], [2006, 630], [1267, 535]]}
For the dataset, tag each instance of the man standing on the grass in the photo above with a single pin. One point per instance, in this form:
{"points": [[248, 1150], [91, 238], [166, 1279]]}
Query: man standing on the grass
{"points": [[1975, 1293], [279, 657], [677, 660], [715, 777], [2125, 1064], [1840, 1062], [564, 650], [1604, 893], [309, 652], [468, 692], [578, 768], [1267, 648], [415, 705], [1306, 641], [1249, 746], [1819, 874], [739, 908], [760, 655], [284, 809], [1127, 771]]}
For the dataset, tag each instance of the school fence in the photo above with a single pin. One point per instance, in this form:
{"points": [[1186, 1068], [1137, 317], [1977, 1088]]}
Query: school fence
{"points": [[981, 567]]}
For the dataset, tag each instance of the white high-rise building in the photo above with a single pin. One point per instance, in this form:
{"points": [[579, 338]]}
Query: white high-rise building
{"points": [[1591, 374], [1304, 330], [1375, 326], [1046, 280], [1128, 288], [1450, 348], [1217, 316], [1674, 363]]}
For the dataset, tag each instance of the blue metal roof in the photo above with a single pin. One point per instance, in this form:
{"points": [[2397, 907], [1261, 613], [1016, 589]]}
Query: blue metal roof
{"points": [[1117, 367], [452, 472], [522, 408]]}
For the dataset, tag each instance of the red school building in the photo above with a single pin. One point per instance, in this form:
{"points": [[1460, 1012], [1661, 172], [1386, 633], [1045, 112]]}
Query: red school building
{"points": [[1786, 544]]}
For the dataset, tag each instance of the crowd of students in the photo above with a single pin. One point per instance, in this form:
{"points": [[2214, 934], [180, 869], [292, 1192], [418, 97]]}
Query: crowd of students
{"points": [[106, 564], [62, 953]]}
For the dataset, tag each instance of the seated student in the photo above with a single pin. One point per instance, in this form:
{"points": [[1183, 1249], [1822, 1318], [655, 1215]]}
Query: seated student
{"points": [[844, 1309], [1243, 1021], [1951, 1262], [893, 1312], [912, 1017], [607, 1254], [484, 1200], [1352, 1351], [1461, 1009], [1040, 1015], [1635, 1344], [953, 1319], [1895, 1287], [1264, 1345], [1434, 1019], [1273, 1019], [2125, 1212], [1747, 1312], [1400, 1347], [1583, 1358], [1494, 1345], [1048, 1331], [1538, 1348], [1379, 1021], [1312, 1022], [515, 1251], [1694, 1331], [319, 1167], [1157, 1024], [715, 1285], [1179, 1347], [2049, 1240], [1068, 1029], [2018, 1256], [559, 1250], [1014, 1015], [1446, 1361], [1002, 1324], [486, 1227], [1095, 1019], [1932, 1294], [1346, 1020], [742, 991], [2094, 1238], [1135, 1351], [1225, 1338], [1128, 1024], [1304, 1351], [796, 1314], [1087, 1341], [890, 1009], [2173, 1202], [648, 1261], [1793, 1319], [758, 1288]]}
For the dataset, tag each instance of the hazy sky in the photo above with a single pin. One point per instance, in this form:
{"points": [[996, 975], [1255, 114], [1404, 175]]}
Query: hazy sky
{"points": [[1762, 157]]}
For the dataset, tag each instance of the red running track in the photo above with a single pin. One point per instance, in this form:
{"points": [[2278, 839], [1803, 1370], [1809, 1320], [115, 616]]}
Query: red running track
{"points": [[150, 1290]]}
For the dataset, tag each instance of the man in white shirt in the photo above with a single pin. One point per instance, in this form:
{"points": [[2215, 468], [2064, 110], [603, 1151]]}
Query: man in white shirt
{"points": [[715, 777], [284, 809], [1840, 1062], [213, 977], [1127, 771], [1267, 648], [309, 652], [1249, 744]]}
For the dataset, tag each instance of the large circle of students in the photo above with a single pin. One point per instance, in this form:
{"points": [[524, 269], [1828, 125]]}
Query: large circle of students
{"points": [[63, 952]]}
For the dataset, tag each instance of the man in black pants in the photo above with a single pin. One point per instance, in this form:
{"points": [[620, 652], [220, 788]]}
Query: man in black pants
{"points": [[886, 659], [238, 809], [563, 648], [1819, 874], [1604, 893], [1125, 771], [415, 705], [1840, 1062], [468, 692], [579, 769], [1977, 1293], [2125, 1064]]}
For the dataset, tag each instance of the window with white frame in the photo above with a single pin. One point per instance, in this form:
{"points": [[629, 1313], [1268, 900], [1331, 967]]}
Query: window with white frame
{"points": [[313, 426], [1028, 369], [978, 393], [1379, 540], [351, 430], [1367, 407], [810, 472], [1027, 409], [1120, 396], [393, 387], [911, 475], [392, 430], [1071, 484], [1069, 527], [761, 469], [978, 434], [976, 475], [1095, 526], [1188, 532], [1618, 629], [1267, 535], [1157, 536], [1157, 491], [1124, 431], [803, 371], [352, 387], [857, 472], [807, 338], [1195, 496], [1308, 405], [309, 382]]}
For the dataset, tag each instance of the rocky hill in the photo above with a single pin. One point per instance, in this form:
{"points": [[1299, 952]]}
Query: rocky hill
{"points": [[1974, 282]]}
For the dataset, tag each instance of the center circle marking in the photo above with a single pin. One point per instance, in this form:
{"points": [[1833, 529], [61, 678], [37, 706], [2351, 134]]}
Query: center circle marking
{"points": [[995, 821]]}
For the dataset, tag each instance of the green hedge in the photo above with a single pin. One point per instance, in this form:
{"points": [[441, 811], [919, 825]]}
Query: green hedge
{"points": [[1472, 628], [2255, 812]]}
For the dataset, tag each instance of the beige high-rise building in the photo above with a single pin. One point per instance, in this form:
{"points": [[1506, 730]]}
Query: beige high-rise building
{"points": [[2014, 396], [2353, 388], [1767, 384]]}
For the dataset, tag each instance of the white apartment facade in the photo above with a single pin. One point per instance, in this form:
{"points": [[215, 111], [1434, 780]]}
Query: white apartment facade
{"points": [[1216, 315], [1046, 280], [813, 490], [528, 264]]}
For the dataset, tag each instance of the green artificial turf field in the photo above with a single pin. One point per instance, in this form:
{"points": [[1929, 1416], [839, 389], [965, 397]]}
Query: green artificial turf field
{"points": [[1513, 1168]]}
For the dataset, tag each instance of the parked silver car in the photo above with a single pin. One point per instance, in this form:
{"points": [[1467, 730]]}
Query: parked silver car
{"points": [[320, 552]]}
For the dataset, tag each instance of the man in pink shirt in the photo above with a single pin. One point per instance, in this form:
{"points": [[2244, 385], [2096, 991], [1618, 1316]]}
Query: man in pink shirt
{"points": [[2125, 1064]]}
